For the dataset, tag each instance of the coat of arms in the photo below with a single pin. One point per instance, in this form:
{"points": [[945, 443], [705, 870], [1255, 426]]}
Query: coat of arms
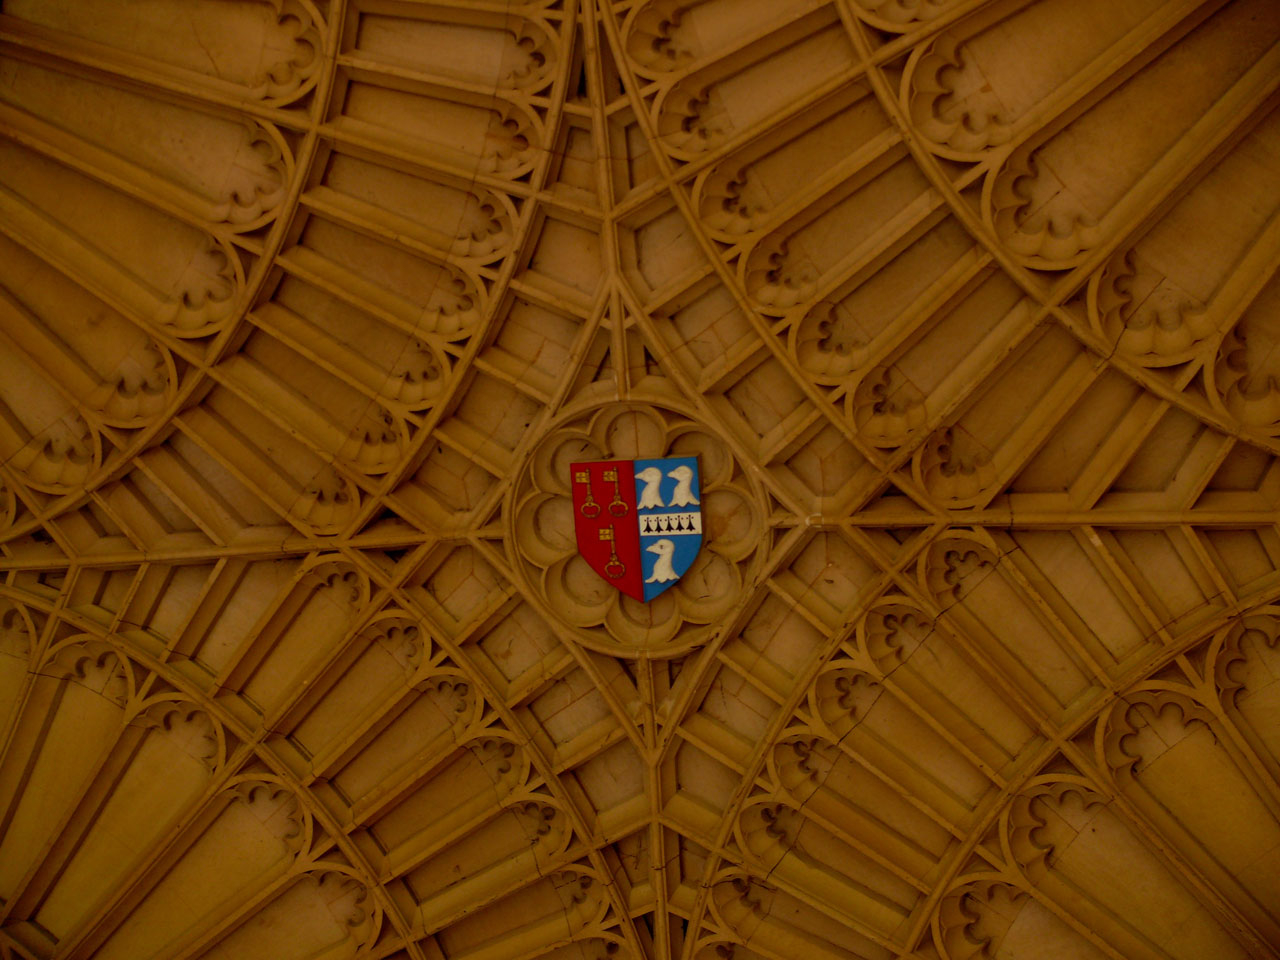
{"points": [[639, 522]]}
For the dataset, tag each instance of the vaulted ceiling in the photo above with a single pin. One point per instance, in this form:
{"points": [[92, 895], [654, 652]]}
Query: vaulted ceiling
{"points": [[970, 310]]}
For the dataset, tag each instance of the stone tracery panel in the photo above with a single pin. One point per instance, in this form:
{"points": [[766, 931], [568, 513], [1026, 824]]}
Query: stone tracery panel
{"points": [[268, 50]]}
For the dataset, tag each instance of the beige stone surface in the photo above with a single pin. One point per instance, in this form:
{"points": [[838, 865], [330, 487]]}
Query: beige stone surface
{"points": [[970, 310]]}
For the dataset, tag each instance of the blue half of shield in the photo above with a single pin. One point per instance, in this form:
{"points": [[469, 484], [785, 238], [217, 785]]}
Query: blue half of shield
{"points": [[669, 512]]}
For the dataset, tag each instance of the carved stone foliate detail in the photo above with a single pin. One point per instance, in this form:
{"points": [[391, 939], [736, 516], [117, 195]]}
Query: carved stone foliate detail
{"points": [[687, 124], [653, 37], [60, 458], [886, 407], [139, 389], [454, 307], [545, 545], [329, 501], [95, 665], [510, 143], [294, 71], [740, 899], [583, 897], [544, 825], [278, 809], [1244, 665], [1035, 218], [777, 277], [954, 466], [277, 59], [893, 633], [1146, 315], [728, 205], [1146, 724], [485, 231], [1041, 821], [418, 378], [205, 295], [531, 59], [505, 762], [951, 102], [259, 181], [16, 630], [1244, 646], [190, 728], [349, 901], [1247, 373], [955, 567], [376, 444], [843, 696], [345, 585], [405, 640], [901, 14], [452, 696], [975, 917], [829, 346], [769, 830], [781, 823], [802, 763]]}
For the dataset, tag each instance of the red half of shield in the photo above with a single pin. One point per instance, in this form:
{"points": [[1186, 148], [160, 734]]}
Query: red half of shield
{"points": [[604, 519]]}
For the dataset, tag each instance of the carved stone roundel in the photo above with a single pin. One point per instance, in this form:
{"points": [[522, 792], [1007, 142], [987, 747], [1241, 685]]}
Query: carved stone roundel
{"points": [[599, 616]]}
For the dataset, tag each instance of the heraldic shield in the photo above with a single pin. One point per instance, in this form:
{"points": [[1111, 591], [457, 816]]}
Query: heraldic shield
{"points": [[638, 522]]}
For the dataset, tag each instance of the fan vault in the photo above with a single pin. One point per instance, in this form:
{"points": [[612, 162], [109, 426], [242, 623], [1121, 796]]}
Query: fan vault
{"points": [[969, 310]]}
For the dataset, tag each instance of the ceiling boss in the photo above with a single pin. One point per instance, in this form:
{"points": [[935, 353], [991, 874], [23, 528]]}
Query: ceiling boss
{"points": [[636, 527], [638, 522]]}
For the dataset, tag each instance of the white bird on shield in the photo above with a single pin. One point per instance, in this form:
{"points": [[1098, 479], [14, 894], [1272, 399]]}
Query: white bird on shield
{"points": [[651, 477], [683, 495], [663, 571]]}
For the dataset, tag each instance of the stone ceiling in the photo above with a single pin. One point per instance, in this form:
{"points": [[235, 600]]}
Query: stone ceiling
{"points": [[970, 310]]}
